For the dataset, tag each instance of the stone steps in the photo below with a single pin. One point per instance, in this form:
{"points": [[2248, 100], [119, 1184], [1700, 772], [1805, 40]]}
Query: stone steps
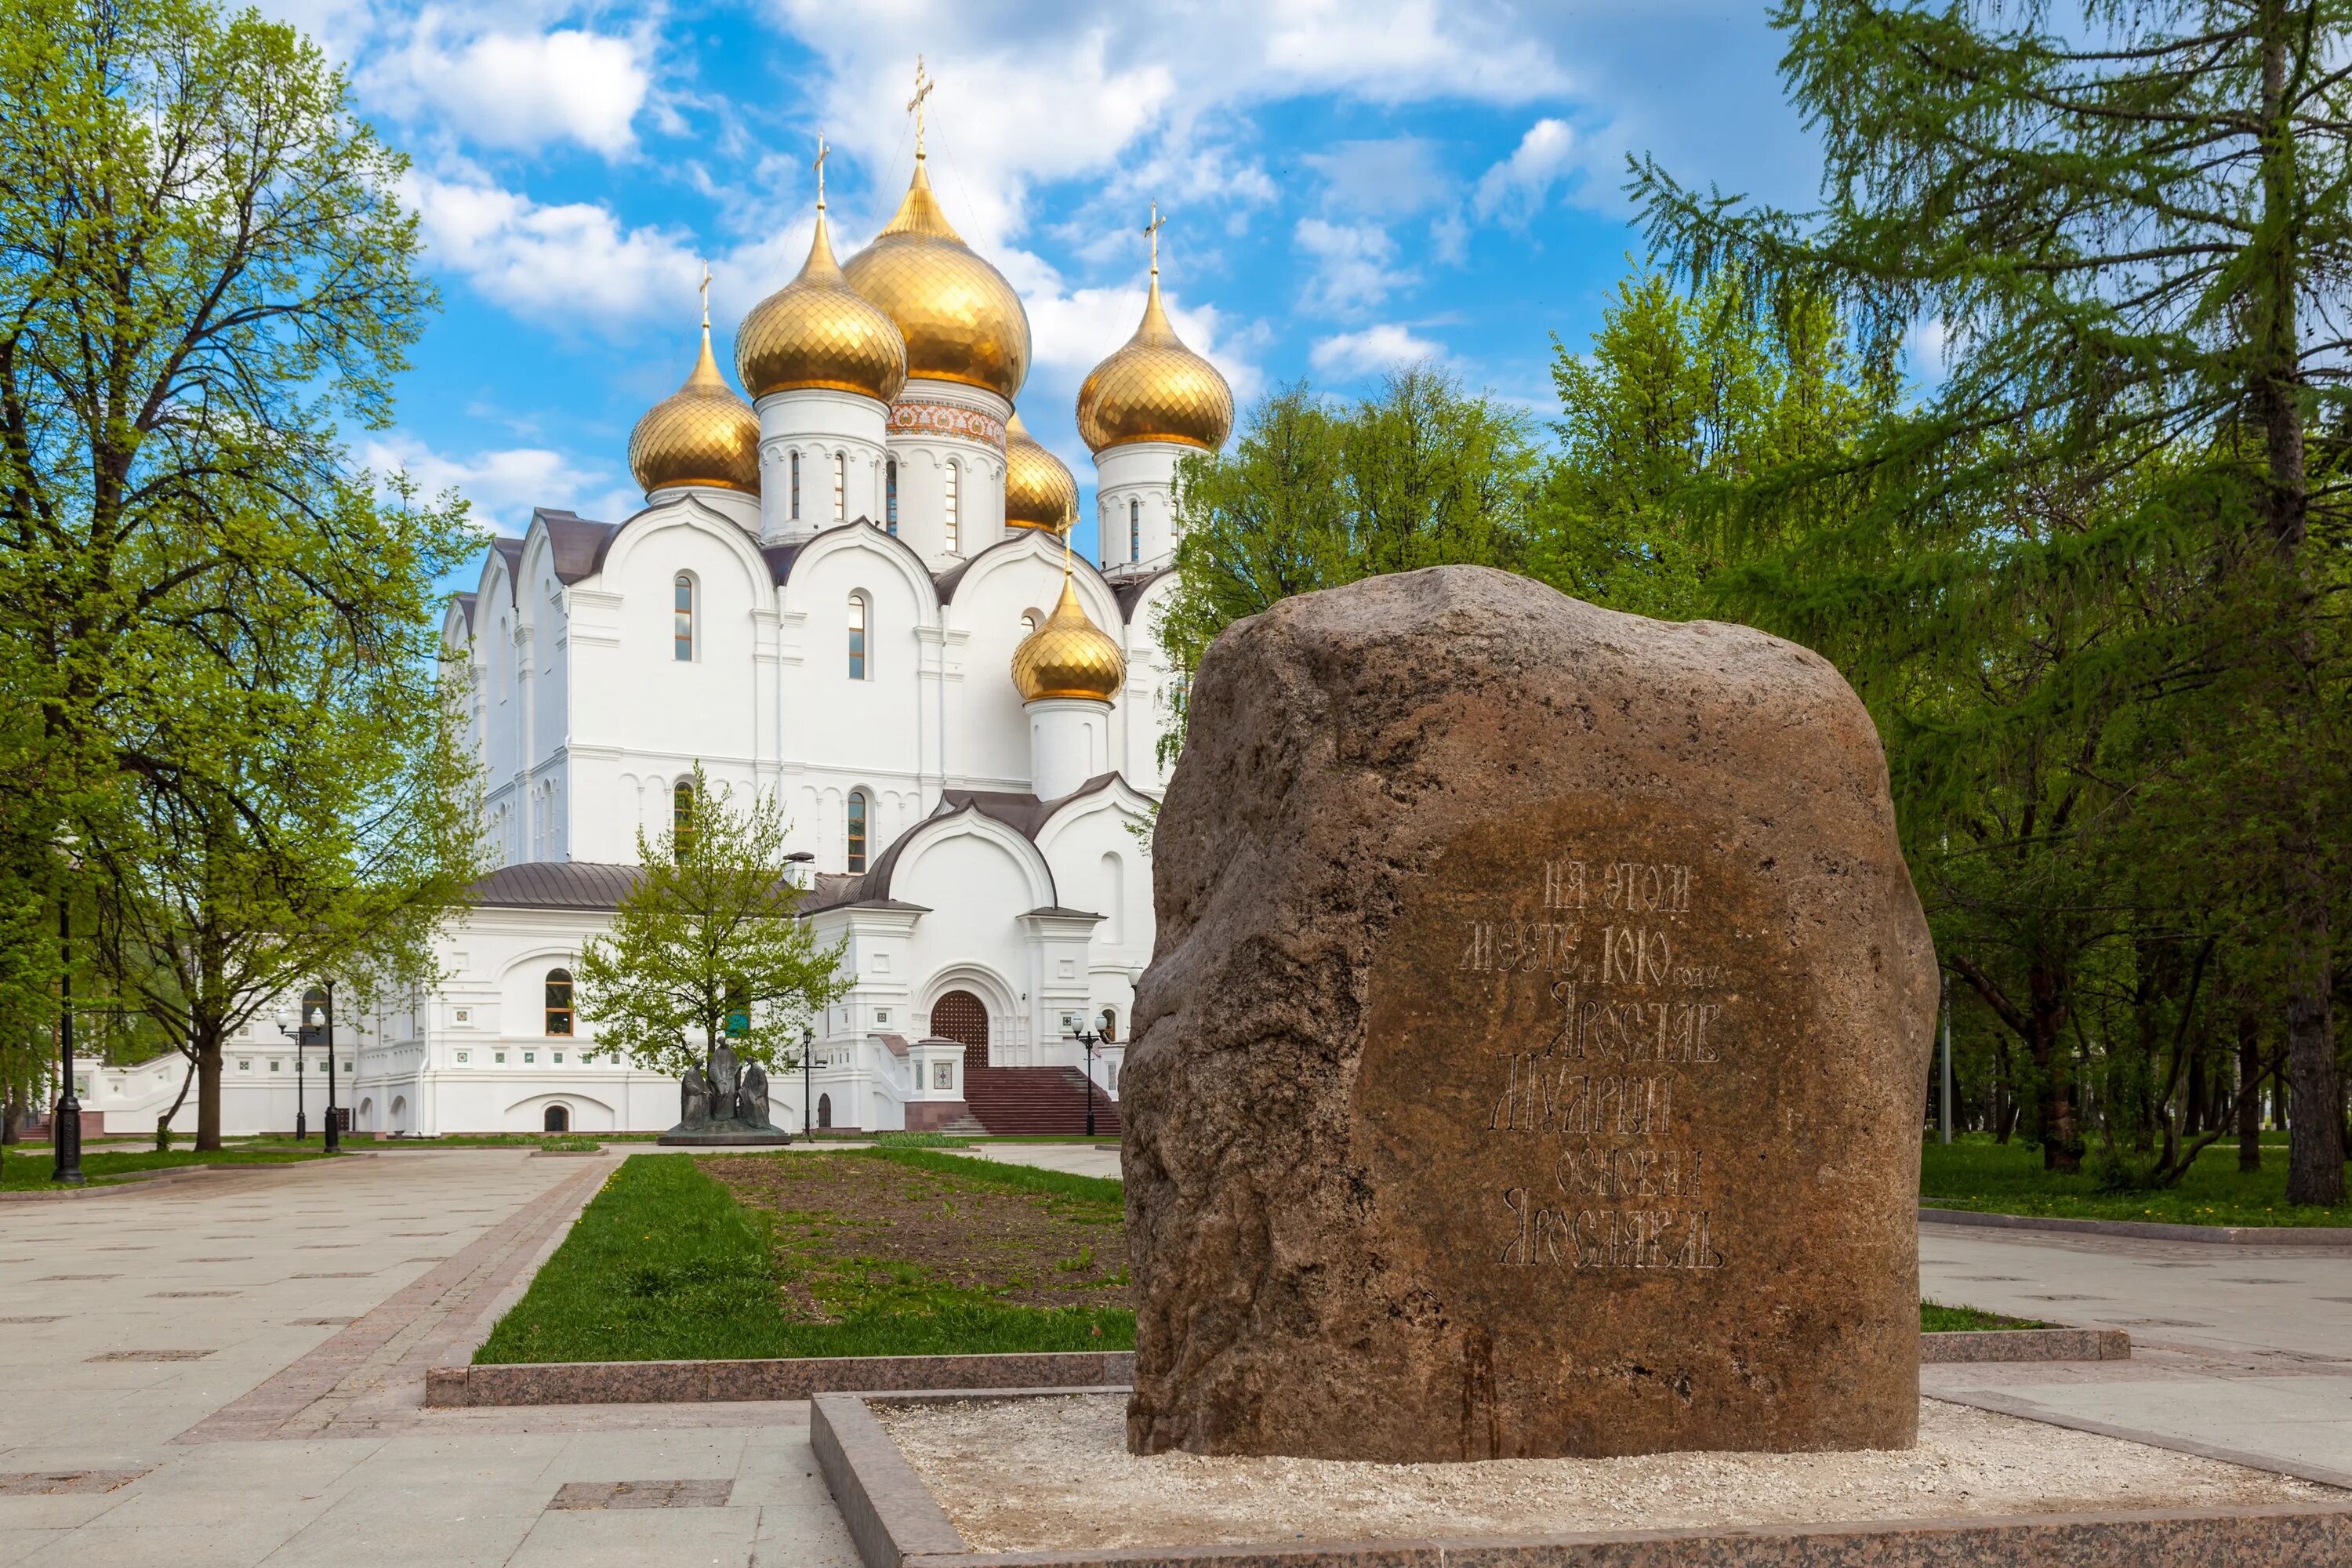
{"points": [[1013, 1101]]}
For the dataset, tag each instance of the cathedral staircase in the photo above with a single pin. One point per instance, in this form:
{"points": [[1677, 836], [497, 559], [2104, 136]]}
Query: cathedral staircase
{"points": [[1008, 1101]]}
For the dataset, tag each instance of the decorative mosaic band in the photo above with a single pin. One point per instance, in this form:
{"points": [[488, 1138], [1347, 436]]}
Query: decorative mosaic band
{"points": [[947, 420]]}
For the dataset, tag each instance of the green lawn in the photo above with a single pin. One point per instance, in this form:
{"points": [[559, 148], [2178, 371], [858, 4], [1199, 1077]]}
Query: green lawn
{"points": [[1975, 1173], [30, 1168], [851, 1253], [1935, 1319]]}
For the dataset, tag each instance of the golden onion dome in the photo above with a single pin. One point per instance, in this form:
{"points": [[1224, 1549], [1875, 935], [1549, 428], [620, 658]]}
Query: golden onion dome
{"points": [[1069, 655], [702, 434], [1155, 389], [1039, 490], [818, 332], [960, 319]]}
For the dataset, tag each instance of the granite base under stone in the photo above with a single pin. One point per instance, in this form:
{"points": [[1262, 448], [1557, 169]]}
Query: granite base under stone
{"points": [[955, 1481], [756, 1380]]}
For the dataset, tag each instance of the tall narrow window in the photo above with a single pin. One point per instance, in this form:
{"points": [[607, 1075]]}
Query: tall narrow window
{"points": [[952, 507], [1135, 530], [681, 818], [681, 632], [857, 636], [856, 830], [841, 487], [796, 487], [558, 1002], [890, 496]]}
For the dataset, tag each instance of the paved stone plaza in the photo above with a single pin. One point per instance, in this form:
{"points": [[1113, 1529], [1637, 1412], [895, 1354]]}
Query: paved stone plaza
{"points": [[240, 1357], [251, 1347]]}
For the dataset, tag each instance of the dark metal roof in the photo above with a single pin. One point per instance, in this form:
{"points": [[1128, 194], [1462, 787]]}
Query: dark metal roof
{"points": [[1025, 813], [578, 543], [509, 550], [1068, 915], [782, 558], [1129, 589], [466, 607], [554, 885]]}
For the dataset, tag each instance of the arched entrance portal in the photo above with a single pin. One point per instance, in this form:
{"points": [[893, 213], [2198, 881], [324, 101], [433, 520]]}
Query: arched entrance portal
{"points": [[961, 1015], [557, 1119], [824, 1110]]}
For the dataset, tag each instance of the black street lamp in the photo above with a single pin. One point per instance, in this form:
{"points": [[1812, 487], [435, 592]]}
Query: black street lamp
{"points": [[317, 1028], [65, 1122], [1090, 1038]]}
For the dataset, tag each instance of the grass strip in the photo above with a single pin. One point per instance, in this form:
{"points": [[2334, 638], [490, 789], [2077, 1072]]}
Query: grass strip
{"points": [[1973, 1171], [23, 1172], [1936, 1319], [663, 1265]]}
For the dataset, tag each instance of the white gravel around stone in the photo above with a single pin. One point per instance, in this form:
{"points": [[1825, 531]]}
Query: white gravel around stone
{"points": [[1045, 1474]]}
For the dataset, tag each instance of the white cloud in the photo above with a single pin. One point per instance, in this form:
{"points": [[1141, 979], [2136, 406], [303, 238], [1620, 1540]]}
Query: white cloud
{"points": [[504, 485], [1352, 265], [1386, 178], [517, 88], [1373, 349], [570, 265], [1518, 184]]}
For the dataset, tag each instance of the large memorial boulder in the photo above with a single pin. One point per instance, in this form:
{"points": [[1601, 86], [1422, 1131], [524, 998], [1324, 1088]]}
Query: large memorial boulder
{"points": [[1531, 1060]]}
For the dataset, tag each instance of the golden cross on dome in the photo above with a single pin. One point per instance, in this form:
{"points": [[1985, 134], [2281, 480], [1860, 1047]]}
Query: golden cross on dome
{"points": [[823, 152], [923, 85], [705, 296], [1151, 231]]}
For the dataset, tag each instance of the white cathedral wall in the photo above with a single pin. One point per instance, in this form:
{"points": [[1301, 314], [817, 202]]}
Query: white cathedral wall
{"points": [[818, 424], [1136, 480], [977, 880], [924, 449], [1146, 707], [880, 734], [1100, 866]]}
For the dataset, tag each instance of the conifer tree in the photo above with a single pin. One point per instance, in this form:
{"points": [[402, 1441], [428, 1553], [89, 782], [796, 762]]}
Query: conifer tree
{"points": [[2130, 224]]}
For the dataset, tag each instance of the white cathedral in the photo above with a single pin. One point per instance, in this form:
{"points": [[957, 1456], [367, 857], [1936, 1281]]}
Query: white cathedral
{"points": [[853, 592]]}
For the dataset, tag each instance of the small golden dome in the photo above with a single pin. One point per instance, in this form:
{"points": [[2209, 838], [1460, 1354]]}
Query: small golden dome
{"points": [[702, 434], [960, 319], [1069, 655], [1155, 389], [1039, 491], [816, 331]]}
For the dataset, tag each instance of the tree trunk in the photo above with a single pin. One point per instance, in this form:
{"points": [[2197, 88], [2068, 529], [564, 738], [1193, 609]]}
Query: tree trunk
{"points": [[209, 1093], [2061, 1138], [2316, 1139], [2250, 1089]]}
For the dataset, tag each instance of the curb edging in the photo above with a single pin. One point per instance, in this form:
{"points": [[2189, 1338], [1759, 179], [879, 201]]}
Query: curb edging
{"points": [[737, 1381], [2151, 1230]]}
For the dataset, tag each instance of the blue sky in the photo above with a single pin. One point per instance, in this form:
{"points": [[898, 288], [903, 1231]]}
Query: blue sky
{"points": [[1347, 185]]}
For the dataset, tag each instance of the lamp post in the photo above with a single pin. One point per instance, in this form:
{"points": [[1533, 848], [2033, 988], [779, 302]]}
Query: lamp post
{"points": [[1088, 1039], [317, 1028], [65, 1122], [808, 1039]]}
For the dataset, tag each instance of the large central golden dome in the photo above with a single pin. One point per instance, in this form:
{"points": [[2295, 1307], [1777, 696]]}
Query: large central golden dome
{"points": [[1155, 389], [702, 434], [960, 318], [1039, 490], [1069, 655], [818, 332]]}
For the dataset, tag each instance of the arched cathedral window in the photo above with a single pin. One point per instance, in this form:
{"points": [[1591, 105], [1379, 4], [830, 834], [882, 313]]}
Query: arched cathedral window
{"points": [[796, 487], [890, 496], [841, 487], [558, 1002], [681, 634], [856, 830], [857, 637], [1134, 530], [951, 508]]}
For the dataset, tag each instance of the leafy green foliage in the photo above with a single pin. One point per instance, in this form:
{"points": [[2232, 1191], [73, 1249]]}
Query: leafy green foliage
{"points": [[1680, 396], [1313, 495], [217, 639], [710, 929]]}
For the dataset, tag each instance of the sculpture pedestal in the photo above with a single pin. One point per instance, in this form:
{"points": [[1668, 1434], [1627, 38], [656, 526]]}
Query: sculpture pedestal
{"points": [[724, 1135]]}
